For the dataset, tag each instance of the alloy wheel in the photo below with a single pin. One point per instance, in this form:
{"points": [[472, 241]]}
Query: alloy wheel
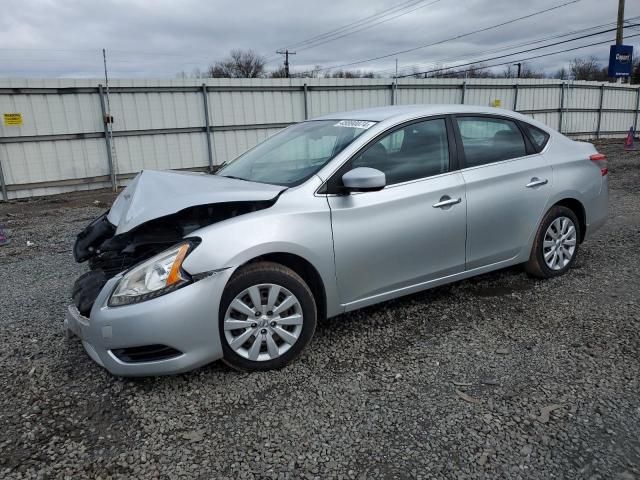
{"points": [[559, 243], [263, 322]]}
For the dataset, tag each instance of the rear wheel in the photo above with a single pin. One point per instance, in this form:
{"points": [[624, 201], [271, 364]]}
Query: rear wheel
{"points": [[556, 244], [267, 316]]}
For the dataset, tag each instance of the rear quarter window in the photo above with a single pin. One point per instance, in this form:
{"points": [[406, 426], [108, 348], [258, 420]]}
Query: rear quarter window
{"points": [[538, 137]]}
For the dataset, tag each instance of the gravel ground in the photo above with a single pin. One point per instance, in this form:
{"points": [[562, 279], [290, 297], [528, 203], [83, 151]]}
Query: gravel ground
{"points": [[498, 376]]}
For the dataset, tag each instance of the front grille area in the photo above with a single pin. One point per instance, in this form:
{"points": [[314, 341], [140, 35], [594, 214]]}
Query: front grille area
{"points": [[112, 263], [86, 289], [146, 353], [103, 267]]}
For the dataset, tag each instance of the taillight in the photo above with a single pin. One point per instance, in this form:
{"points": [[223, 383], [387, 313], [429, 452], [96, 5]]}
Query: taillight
{"points": [[601, 160]]}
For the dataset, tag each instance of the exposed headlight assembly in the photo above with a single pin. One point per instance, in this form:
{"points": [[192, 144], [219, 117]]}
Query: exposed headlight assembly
{"points": [[154, 277]]}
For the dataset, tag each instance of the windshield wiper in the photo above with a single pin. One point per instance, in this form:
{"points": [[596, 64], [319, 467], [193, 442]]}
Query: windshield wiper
{"points": [[235, 178], [216, 168]]}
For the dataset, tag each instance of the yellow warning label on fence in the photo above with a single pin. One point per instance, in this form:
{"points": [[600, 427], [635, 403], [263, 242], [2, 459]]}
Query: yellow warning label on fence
{"points": [[12, 119]]}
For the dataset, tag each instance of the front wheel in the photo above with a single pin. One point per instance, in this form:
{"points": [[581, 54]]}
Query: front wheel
{"points": [[267, 316], [556, 244]]}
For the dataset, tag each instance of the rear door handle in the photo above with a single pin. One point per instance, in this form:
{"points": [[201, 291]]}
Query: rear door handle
{"points": [[446, 201], [536, 182]]}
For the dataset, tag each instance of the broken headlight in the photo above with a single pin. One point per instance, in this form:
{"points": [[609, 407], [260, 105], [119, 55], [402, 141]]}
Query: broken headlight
{"points": [[152, 278]]}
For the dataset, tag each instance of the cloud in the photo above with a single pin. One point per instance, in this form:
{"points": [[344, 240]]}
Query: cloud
{"points": [[145, 38]]}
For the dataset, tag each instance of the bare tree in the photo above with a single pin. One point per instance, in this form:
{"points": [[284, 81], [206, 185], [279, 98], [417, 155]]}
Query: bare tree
{"points": [[239, 64], [349, 74], [415, 72], [195, 73], [507, 72], [315, 73], [475, 71], [279, 72], [587, 69], [561, 74], [527, 72]]}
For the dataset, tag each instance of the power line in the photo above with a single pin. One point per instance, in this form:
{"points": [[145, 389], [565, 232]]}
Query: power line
{"points": [[357, 26], [357, 23], [366, 27], [514, 53], [498, 49], [506, 48], [456, 37], [511, 61]]}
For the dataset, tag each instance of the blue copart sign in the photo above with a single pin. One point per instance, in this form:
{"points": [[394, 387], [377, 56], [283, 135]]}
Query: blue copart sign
{"points": [[620, 60]]}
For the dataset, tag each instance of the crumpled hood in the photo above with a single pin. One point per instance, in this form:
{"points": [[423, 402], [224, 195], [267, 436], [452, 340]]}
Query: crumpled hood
{"points": [[153, 194]]}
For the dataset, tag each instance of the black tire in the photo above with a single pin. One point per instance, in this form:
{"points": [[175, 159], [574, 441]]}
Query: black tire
{"points": [[536, 266], [262, 273]]}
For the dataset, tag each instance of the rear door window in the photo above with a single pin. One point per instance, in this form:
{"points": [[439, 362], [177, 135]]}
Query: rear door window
{"points": [[487, 140]]}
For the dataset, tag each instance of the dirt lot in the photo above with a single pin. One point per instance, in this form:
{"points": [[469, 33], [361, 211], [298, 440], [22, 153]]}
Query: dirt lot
{"points": [[496, 377]]}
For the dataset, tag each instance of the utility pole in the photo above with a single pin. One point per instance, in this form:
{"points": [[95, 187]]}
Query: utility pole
{"points": [[286, 54], [620, 22], [620, 29], [394, 93], [108, 120], [519, 68]]}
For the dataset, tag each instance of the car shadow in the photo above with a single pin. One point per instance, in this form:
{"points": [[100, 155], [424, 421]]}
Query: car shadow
{"points": [[499, 283]]}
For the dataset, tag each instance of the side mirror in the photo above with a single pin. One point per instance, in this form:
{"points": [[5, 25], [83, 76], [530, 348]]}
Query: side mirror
{"points": [[364, 179]]}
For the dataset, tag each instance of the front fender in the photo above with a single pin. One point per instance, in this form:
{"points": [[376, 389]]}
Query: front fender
{"points": [[293, 225]]}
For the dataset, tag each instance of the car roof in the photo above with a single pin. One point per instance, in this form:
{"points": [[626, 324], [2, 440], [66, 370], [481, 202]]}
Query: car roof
{"points": [[399, 112]]}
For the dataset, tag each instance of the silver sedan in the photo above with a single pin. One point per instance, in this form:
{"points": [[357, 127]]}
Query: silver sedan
{"points": [[327, 216]]}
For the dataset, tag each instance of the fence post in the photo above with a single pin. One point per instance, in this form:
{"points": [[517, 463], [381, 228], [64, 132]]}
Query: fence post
{"points": [[107, 138], [393, 93], [306, 105], [635, 118], [561, 106], [3, 185], [207, 125], [600, 110], [515, 97], [464, 91]]}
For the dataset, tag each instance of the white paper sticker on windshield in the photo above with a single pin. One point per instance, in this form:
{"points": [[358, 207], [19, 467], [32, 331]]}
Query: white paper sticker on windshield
{"points": [[355, 124]]}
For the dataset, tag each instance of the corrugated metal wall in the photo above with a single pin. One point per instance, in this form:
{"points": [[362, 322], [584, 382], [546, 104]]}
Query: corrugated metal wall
{"points": [[61, 145]]}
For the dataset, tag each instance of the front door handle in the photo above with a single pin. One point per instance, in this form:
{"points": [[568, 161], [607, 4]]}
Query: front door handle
{"points": [[446, 201], [536, 182]]}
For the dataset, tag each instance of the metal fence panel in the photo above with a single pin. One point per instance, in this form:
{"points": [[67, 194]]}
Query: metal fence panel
{"points": [[616, 121], [410, 96], [249, 108], [580, 122], [339, 99], [52, 114], [539, 98], [142, 111], [580, 97], [61, 145], [48, 161], [230, 144], [618, 98], [159, 152]]}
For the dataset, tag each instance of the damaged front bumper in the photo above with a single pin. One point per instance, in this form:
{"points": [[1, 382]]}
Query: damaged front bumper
{"points": [[166, 335]]}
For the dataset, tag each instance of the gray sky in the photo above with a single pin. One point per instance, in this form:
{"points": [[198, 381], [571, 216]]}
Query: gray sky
{"points": [[159, 38]]}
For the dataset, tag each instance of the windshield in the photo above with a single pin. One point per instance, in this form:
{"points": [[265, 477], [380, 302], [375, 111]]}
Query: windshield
{"points": [[296, 153]]}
